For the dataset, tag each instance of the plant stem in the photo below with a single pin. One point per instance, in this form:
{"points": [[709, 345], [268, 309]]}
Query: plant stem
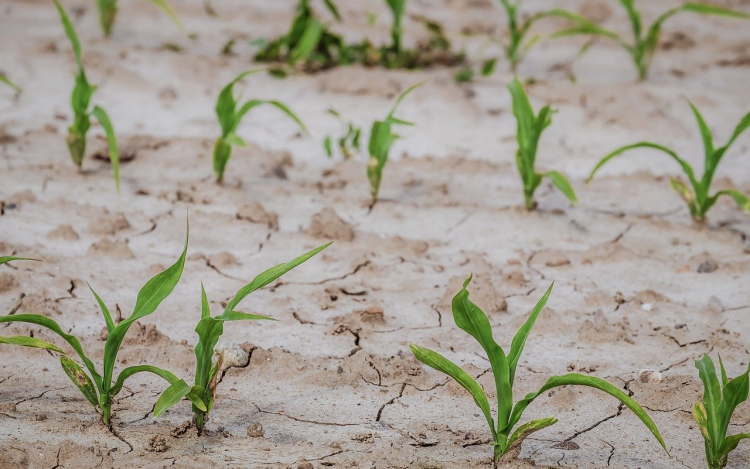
{"points": [[76, 146], [530, 202], [106, 414], [200, 422]]}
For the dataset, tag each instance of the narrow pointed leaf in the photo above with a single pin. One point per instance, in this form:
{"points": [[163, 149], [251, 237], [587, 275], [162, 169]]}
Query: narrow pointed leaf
{"points": [[711, 395], [528, 428], [105, 310], [114, 153], [71, 33], [27, 341], [519, 340], [6, 259], [563, 185], [169, 12], [438, 362], [80, 379], [240, 316]]}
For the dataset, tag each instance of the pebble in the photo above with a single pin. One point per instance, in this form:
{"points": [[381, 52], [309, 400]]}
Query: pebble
{"points": [[650, 376], [647, 306], [708, 266], [255, 430]]}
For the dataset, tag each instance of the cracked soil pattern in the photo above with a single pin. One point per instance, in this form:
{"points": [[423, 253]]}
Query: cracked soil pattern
{"points": [[332, 383]]}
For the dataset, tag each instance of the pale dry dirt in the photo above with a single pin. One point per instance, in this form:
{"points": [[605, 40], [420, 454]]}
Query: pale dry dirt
{"points": [[332, 383]]}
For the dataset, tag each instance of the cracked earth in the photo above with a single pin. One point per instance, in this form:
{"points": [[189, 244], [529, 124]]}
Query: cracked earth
{"points": [[332, 383]]}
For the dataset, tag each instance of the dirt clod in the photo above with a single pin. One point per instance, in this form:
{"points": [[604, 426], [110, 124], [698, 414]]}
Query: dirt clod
{"points": [[327, 224], [255, 430], [157, 444], [255, 213]]}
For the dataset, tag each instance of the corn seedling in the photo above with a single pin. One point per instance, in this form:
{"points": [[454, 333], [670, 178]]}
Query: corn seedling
{"points": [[80, 101], [349, 141], [471, 319], [108, 13], [381, 140], [530, 128], [209, 330], [715, 411], [101, 389], [230, 114], [4, 79], [308, 40], [645, 41], [6, 259], [518, 30], [697, 197]]}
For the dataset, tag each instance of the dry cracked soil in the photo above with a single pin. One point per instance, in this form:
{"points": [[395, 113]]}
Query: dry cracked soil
{"points": [[332, 382]]}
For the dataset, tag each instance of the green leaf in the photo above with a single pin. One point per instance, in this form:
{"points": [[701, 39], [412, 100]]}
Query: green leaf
{"points": [[114, 154], [240, 316], [403, 95], [283, 108], [574, 379], [50, 324], [234, 139], [174, 394], [209, 330], [488, 67], [80, 379], [708, 139], [735, 392], [442, 364], [742, 201], [333, 9], [168, 10], [699, 414], [205, 308], [634, 15], [105, 310], [730, 444], [724, 379], [269, 276], [308, 42], [739, 130], [6, 259], [711, 396], [684, 191], [527, 429], [686, 168], [327, 145], [151, 295], [562, 183], [519, 340], [706, 9], [471, 319], [6, 80], [71, 33], [27, 341]]}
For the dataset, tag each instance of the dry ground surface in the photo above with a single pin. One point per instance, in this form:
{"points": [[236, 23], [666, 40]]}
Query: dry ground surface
{"points": [[332, 383]]}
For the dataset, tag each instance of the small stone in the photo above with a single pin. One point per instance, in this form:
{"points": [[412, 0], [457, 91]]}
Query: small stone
{"points": [[232, 355], [650, 376], [255, 430], [647, 306], [708, 266], [619, 298], [714, 304], [305, 465]]}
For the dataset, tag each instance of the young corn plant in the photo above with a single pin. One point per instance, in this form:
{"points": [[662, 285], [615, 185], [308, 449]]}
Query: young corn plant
{"points": [[398, 8], [108, 13], [209, 330], [530, 128], [80, 101], [519, 30], [698, 195], [308, 41], [381, 140], [715, 411], [645, 40], [230, 114], [100, 389], [471, 319]]}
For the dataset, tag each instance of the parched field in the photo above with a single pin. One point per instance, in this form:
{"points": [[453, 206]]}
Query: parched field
{"points": [[332, 382]]}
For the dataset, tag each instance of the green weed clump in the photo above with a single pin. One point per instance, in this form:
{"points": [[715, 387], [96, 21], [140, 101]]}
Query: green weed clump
{"points": [[471, 319], [645, 40], [714, 413], [108, 13], [698, 195], [100, 389], [312, 44], [209, 330], [80, 101], [230, 114], [381, 140], [530, 128]]}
